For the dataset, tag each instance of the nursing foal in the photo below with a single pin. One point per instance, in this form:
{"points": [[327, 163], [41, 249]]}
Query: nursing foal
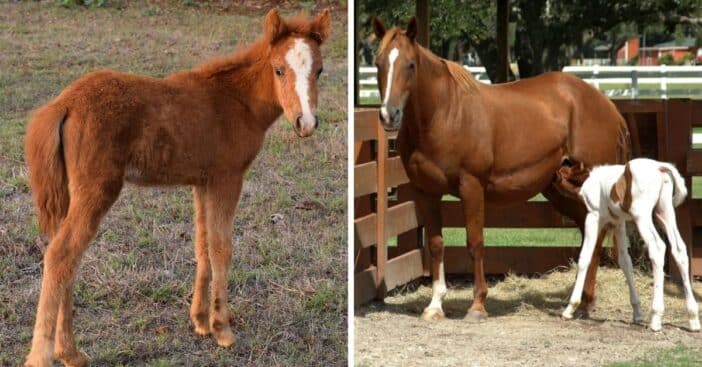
{"points": [[639, 191], [201, 127]]}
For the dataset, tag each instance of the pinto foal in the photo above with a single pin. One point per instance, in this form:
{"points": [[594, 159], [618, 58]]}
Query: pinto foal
{"points": [[201, 127], [639, 191]]}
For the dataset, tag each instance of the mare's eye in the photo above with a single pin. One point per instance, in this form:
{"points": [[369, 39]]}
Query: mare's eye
{"points": [[279, 71], [411, 66]]}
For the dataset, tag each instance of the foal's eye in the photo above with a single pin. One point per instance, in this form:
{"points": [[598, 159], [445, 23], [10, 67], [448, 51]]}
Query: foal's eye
{"points": [[319, 72], [279, 71]]}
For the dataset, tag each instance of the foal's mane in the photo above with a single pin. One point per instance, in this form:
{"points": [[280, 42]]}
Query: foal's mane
{"points": [[259, 51], [464, 78]]}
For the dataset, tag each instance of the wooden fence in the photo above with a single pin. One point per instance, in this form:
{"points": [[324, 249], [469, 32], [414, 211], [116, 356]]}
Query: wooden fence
{"points": [[385, 212]]}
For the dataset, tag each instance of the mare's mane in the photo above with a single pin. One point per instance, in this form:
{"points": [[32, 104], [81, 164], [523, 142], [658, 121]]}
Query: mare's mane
{"points": [[464, 78]]}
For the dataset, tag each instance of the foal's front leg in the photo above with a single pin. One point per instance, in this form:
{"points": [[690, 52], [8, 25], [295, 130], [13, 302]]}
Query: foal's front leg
{"points": [[590, 238], [199, 309], [221, 200]]}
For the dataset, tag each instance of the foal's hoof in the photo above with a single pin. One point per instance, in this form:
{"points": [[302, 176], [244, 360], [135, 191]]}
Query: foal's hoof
{"points": [[202, 330], [433, 314], [476, 316], [37, 361], [225, 338], [695, 325], [78, 359]]}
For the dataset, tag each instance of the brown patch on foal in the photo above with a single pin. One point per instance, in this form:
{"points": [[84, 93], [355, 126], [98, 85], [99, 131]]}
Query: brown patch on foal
{"points": [[621, 191]]}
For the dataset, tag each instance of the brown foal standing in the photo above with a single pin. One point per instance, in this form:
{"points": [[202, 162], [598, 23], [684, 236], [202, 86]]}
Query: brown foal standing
{"points": [[201, 127], [498, 144]]}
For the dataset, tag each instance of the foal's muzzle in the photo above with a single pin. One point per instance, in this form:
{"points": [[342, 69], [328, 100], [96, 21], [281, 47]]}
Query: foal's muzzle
{"points": [[390, 117], [304, 125]]}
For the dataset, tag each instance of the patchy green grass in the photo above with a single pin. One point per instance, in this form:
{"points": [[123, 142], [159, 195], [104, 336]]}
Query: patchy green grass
{"points": [[679, 356], [287, 282]]}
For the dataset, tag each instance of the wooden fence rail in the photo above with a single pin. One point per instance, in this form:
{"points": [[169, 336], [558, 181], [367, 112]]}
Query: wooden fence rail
{"points": [[385, 212]]}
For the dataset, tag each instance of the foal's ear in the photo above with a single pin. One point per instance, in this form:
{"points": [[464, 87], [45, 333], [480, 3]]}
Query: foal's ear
{"points": [[273, 26], [321, 26], [378, 28], [411, 31]]}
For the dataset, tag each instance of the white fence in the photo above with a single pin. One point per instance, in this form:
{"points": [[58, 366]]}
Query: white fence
{"points": [[614, 81]]}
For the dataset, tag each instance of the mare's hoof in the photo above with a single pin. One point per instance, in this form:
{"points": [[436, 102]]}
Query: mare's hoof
{"points": [[476, 316], [433, 314], [202, 330], [581, 314]]}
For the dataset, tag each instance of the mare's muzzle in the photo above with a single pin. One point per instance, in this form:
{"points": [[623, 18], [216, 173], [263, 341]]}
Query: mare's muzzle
{"points": [[390, 117]]}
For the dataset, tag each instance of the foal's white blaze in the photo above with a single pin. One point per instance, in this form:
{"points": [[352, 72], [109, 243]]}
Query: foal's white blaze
{"points": [[299, 58], [394, 53]]}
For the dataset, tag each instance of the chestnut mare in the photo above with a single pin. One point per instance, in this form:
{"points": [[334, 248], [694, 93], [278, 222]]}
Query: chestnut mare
{"points": [[201, 127], [500, 144]]}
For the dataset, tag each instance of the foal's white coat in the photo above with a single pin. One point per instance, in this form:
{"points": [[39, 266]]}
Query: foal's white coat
{"points": [[655, 188]]}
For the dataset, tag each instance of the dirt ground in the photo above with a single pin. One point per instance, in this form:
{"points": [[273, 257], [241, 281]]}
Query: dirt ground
{"points": [[524, 327]]}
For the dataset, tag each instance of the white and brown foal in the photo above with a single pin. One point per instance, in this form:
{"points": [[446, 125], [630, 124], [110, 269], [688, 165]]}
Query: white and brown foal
{"points": [[639, 191]]}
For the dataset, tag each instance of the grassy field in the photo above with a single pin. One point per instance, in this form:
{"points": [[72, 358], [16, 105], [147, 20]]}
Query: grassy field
{"points": [[679, 356], [287, 283]]}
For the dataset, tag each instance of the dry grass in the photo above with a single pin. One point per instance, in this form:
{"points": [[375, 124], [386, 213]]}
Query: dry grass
{"points": [[287, 285], [524, 327]]}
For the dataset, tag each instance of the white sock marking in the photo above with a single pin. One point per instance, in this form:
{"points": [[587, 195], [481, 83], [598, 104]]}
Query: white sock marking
{"points": [[394, 53], [299, 58]]}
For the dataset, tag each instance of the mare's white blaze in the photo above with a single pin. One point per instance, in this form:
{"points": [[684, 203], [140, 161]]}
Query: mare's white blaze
{"points": [[394, 53], [299, 58], [438, 289]]}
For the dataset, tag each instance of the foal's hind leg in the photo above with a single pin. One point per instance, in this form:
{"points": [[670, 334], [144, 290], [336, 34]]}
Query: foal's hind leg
{"points": [[622, 245], [665, 214], [220, 200], [199, 310], [88, 204]]}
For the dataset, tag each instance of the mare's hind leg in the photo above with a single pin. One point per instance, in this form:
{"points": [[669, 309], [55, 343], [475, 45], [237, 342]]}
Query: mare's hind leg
{"points": [[199, 309], [577, 212], [220, 201], [430, 209], [665, 214], [88, 204], [472, 198]]}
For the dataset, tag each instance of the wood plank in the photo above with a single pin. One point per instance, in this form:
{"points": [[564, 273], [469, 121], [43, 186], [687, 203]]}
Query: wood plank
{"points": [[381, 210], [524, 215], [401, 218], [364, 231], [694, 162], [395, 172], [403, 269], [696, 113], [519, 260], [364, 286], [365, 124], [638, 106], [365, 179], [696, 207]]}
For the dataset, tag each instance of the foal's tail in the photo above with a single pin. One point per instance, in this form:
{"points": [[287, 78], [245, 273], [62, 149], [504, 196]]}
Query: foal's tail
{"points": [[680, 190], [43, 150]]}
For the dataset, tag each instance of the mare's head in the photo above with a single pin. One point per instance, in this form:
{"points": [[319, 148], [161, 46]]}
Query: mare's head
{"points": [[296, 63], [396, 61]]}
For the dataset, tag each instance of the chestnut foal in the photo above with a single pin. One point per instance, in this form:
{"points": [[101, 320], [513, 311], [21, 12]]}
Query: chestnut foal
{"points": [[201, 127]]}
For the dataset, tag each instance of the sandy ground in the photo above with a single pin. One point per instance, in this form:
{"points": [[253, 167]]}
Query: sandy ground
{"points": [[524, 327]]}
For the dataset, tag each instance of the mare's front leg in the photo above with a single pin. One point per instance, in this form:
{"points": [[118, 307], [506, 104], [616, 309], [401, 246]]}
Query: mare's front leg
{"points": [[473, 200], [430, 208], [199, 309], [590, 238], [221, 198]]}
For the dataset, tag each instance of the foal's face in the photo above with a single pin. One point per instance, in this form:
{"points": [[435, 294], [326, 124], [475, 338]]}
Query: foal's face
{"points": [[297, 64], [397, 71]]}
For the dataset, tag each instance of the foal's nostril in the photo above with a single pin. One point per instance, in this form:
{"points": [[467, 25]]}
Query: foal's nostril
{"points": [[316, 121], [298, 122]]}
